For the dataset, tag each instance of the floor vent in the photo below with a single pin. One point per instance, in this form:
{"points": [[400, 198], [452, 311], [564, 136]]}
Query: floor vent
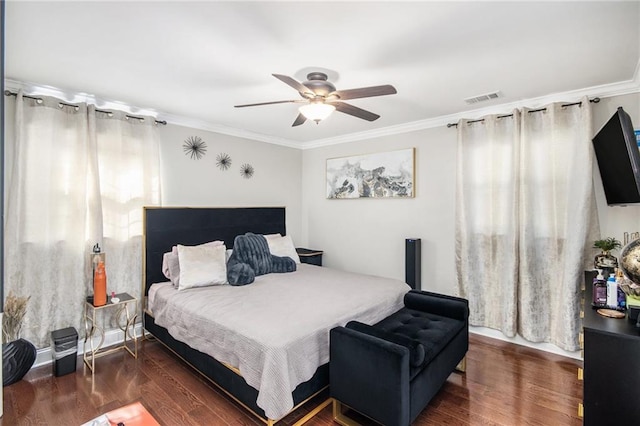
{"points": [[482, 98]]}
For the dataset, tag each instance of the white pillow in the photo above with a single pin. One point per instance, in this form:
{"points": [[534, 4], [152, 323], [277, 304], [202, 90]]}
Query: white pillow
{"points": [[283, 246], [202, 265], [171, 262]]}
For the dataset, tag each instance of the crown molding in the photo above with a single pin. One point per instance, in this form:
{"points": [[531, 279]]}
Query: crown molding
{"points": [[179, 120], [601, 91]]}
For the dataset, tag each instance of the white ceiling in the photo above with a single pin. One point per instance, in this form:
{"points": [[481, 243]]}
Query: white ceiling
{"points": [[192, 61]]}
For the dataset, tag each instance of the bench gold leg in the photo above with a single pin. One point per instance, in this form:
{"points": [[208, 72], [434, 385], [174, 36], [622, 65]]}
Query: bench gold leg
{"points": [[339, 417], [462, 365]]}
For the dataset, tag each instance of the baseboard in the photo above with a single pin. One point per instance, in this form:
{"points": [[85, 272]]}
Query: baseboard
{"points": [[547, 347], [111, 337]]}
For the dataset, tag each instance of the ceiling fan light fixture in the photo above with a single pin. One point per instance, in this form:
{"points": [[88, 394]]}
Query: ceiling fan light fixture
{"points": [[317, 111], [320, 98]]}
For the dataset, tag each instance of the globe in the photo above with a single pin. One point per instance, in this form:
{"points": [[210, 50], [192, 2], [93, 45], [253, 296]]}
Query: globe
{"points": [[630, 261]]}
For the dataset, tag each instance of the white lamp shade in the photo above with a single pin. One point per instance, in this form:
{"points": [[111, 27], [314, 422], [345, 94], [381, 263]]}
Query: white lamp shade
{"points": [[317, 111]]}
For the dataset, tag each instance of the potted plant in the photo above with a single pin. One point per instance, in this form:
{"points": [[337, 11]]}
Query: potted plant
{"points": [[18, 355], [604, 259]]}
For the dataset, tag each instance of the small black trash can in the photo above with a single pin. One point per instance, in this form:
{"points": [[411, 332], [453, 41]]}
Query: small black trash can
{"points": [[64, 345]]}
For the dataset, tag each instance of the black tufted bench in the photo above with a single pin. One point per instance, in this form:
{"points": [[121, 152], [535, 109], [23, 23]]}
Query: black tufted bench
{"points": [[389, 371]]}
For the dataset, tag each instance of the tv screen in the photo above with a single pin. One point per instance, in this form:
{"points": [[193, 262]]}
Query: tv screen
{"points": [[618, 159]]}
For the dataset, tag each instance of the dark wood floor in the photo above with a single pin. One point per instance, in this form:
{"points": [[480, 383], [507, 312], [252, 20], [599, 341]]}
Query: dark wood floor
{"points": [[505, 384]]}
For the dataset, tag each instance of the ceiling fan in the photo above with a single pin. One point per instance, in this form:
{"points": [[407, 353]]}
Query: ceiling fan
{"points": [[320, 98]]}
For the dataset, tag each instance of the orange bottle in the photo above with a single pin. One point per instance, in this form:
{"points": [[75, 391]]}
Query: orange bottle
{"points": [[100, 286]]}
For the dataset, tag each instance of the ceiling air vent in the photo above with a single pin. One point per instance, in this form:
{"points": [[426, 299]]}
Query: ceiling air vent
{"points": [[482, 98]]}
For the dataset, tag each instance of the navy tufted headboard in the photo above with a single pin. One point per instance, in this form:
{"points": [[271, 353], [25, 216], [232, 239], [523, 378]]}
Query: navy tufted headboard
{"points": [[165, 227]]}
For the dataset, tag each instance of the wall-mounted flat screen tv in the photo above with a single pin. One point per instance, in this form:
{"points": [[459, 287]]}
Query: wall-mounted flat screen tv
{"points": [[618, 159]]}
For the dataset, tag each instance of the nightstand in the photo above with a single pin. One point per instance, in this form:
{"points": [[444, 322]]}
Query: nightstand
{"points": [[311, 257], [125, 320]]}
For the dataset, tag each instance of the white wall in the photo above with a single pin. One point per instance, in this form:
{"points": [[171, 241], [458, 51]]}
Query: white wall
{"points": [[367, 235], [359, 235], [276, 181]]}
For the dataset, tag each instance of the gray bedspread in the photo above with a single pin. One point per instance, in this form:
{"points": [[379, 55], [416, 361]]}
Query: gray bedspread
{"points": [[276, 330]]}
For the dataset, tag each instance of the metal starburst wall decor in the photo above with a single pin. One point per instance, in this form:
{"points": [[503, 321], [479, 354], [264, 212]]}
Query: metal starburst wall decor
{"points": [[223, 161], [246, 171], [195, 147]]}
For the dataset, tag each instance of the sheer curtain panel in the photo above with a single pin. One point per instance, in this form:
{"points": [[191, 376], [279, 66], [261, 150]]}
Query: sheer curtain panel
{"points": [[525, 220], [555, 221], [129, 178], [60, 196], [486, 220]]}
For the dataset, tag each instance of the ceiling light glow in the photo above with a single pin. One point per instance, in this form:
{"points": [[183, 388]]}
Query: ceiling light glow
{"points": [[317, 111]]}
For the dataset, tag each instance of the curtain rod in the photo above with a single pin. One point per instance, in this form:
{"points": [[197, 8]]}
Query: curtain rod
{"points": [[37, 99], [594, 100]]}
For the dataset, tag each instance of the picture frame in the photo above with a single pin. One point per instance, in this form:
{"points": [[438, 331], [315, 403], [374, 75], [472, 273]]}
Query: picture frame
{"points": [[388, 174]]}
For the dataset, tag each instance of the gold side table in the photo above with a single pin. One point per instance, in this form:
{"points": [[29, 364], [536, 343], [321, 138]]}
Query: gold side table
{"points": [[126, 322]]}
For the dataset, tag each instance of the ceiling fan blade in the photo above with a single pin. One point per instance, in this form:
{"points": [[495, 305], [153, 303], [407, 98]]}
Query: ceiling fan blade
{"points": [[364, 92], [355, 111], [268, 103], [300, 119], [304, 90]]}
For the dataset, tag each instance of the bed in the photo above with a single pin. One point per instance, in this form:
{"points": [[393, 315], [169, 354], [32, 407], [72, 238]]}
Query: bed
{"points": [[264, 344]]}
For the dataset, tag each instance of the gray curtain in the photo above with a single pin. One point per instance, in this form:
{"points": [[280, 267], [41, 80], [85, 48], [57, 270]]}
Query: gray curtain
{"points": [[77, 177], [525, 220]]}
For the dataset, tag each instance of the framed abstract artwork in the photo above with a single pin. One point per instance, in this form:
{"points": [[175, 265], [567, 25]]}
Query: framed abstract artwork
{"points": [[381, 175]]}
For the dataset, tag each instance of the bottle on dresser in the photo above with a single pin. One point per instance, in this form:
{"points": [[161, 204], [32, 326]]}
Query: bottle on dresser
{"points": [[599, 290], [612, 292], [622, 297]]}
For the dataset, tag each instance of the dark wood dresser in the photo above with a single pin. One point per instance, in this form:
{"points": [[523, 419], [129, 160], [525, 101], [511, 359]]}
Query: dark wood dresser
{"points": [[611, 378]]}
